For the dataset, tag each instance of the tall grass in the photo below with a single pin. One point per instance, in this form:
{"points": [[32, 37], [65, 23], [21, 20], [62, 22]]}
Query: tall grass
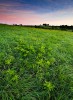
{"points": [[35, 64]]}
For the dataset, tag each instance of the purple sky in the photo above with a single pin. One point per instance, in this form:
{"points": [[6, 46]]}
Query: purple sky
{"points": [[35, 12]]}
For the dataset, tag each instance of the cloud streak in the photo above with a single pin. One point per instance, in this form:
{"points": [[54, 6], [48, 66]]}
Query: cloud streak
{"points": [[30, 12]]}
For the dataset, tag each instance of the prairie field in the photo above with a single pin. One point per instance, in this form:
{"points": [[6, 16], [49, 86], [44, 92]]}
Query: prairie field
{"points": [[35, 64]]}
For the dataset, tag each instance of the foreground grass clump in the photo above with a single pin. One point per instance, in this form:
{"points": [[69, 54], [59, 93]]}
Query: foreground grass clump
{"points": [[35, 64]]}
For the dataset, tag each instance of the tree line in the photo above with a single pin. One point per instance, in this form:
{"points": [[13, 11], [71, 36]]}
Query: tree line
{"points": [[61, 27], [47, 26]]}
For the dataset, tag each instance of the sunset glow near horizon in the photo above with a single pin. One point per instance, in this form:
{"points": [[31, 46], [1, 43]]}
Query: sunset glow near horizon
{"points": [[36, 12]]}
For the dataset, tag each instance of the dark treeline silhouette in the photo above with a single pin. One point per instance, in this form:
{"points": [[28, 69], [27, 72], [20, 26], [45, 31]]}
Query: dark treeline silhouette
{"points": [[47, 26], [61, 27]]}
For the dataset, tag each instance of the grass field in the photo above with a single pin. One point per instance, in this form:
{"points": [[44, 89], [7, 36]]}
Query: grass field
{"points": [[35, 64]]}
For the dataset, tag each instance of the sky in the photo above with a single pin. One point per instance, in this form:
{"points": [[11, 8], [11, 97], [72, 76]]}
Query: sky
{"points": [[36, 12]]}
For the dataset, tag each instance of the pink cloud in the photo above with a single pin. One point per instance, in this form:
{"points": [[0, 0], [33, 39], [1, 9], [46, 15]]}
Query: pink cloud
{"points": [[20, 17], [13, 16], [8, 15]]}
